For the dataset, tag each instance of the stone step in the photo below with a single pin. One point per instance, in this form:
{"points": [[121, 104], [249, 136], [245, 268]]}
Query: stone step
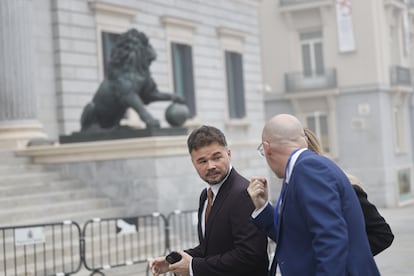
{"points": [[20, 168], [32, 195], [22, 178], [80, 217], [45, 210], [15, 201], [9, 157], [39, 187]]}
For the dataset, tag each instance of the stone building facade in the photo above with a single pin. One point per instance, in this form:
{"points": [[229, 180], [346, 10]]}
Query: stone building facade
{"points": [[345, 69], [60, 46], [53, 56]]}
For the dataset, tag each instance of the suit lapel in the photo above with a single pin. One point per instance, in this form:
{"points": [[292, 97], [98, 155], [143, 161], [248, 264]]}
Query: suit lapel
{"points": [[279, 210], [284, 198], [203, 198], [219, 201]]}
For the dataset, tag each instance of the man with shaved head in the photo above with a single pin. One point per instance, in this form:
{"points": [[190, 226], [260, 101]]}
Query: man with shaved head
{"points": [[317, 223]]}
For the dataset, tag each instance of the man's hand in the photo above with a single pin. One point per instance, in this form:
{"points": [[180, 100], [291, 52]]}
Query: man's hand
{"points": [[182, 268], [158, 266], [258, 191]]}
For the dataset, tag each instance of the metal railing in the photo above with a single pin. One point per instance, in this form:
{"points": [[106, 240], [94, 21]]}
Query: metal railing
{"points": [[293, 2], [62, 249], [40, 249], [298, 81], [182, 230], [115, 242]]}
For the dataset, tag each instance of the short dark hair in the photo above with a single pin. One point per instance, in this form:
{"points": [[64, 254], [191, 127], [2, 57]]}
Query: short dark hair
{"points": [[204, 136]]}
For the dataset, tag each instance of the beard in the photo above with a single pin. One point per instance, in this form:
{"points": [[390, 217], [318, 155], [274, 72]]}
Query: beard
{"points": [[214, 176]]}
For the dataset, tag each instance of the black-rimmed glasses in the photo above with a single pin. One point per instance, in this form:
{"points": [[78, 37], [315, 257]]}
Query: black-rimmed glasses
{"points": [[260, 150]]}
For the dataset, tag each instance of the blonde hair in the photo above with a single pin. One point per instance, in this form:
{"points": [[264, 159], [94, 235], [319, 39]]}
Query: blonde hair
{"points": [[313, 143], [353, 179], [315, 146]]}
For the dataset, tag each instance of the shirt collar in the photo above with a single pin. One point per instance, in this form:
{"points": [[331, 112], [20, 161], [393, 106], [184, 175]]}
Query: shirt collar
{"points": [[291, 163], [216, 187]]}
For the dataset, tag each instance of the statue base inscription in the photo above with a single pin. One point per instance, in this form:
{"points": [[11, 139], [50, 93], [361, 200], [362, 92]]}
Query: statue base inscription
{"points": [[122, 132]]}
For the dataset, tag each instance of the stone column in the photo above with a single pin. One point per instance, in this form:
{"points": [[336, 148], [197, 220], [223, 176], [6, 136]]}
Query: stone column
{"points": [[18, 114]]}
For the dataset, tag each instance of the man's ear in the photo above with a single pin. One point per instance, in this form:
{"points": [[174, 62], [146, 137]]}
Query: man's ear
{"points": [[266, 148]]}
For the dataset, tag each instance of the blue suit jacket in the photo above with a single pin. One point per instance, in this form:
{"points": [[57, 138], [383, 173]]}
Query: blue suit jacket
{"points": [[322, 229]]}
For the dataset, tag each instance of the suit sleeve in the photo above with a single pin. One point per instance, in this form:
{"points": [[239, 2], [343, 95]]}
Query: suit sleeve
{"points": [[265, 222], [378, 230]]}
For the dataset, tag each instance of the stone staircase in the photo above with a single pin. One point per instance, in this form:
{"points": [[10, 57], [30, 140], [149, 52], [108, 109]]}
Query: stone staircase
{"points": [[29, 194]]}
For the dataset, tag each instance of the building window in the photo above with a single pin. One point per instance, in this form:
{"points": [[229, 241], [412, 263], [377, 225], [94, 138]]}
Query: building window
{"points": [[108, 42], [404, 185], [111, 19], [312, 54], [183, 77], [318, 123], [399, 129], [400, 107], [180, 45], [394, 46], [235, 85], [232, 44]]}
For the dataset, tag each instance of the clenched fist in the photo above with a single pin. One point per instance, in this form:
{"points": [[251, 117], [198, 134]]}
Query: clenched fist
{"points": [[258, 191]]}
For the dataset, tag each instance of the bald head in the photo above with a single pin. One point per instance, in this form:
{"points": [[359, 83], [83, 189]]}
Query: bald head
{"points": [[285, 129], [282, 135]]}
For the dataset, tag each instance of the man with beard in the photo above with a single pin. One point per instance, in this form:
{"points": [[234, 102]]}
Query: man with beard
{"points": [[230, 245]]}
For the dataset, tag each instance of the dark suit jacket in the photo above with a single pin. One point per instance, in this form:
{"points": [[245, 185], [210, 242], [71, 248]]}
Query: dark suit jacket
{"points": [[322, 230], [379, 232], [232, 246]]}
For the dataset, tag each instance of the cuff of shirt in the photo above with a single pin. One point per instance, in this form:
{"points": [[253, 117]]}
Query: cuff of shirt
{"points": [[258, 211], [191, 268]]}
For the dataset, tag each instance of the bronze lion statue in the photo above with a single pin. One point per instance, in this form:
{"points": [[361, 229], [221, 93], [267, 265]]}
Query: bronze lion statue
{"points": [[128, 84]]}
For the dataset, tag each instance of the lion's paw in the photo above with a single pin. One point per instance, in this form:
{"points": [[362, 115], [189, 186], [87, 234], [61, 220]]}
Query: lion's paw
{"points": [[153, 123], [178, 99]]}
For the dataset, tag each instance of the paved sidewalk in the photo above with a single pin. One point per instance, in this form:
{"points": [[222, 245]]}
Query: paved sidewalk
{"points": [[398, 259]]}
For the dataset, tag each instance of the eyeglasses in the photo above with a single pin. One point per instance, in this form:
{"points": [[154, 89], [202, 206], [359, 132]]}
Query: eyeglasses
{"points": [[260, 150]]}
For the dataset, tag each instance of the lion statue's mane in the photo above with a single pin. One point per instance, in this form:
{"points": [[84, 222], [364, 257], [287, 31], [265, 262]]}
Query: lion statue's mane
{"points": [[128, 84]]}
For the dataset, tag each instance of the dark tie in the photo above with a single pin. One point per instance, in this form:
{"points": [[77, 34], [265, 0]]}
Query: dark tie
{"points": [[209, 203]]}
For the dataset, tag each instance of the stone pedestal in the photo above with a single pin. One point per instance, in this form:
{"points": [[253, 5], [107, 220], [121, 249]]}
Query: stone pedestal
{"points": [[122, 132], [144, 175], [16, 134]]}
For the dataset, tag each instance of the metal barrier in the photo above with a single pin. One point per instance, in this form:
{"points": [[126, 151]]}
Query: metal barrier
{"points": [[183, 234], [62, 248], [40, 249], [115, 242], [182, 230]]}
